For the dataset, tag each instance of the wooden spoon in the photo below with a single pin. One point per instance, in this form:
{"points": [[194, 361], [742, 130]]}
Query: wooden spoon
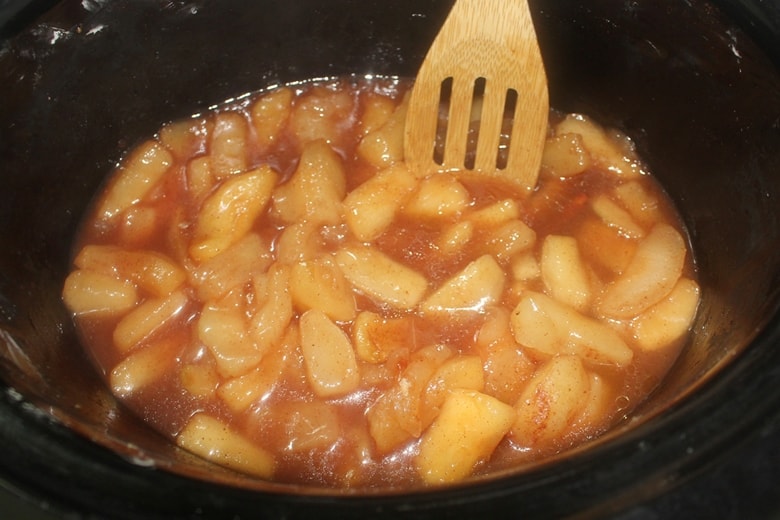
{"points": [[488, 44]]}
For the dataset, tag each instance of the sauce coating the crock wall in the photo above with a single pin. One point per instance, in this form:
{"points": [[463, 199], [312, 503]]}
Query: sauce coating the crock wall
{"points": [[269, 285]]}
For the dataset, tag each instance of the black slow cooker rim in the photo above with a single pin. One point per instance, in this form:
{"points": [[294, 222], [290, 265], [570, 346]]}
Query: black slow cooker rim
{"points": [[52, 466]]}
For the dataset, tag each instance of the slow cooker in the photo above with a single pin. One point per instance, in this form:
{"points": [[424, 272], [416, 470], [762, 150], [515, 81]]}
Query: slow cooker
{"points": [[696, 84]]}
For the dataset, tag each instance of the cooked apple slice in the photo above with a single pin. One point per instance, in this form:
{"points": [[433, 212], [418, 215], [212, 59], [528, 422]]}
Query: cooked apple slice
{"points": [[478, 285]]}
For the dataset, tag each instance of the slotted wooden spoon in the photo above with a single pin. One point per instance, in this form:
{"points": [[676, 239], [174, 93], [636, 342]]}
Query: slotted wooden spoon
{"points": [[485, 65]]}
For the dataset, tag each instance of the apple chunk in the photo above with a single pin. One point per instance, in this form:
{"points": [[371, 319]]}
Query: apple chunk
{"points": [[215, 440], [381, 277], [468, 429], [479, 284], [328, 355]]}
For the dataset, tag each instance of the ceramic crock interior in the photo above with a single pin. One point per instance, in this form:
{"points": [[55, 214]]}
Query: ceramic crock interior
{"points": [[80, 88]]}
